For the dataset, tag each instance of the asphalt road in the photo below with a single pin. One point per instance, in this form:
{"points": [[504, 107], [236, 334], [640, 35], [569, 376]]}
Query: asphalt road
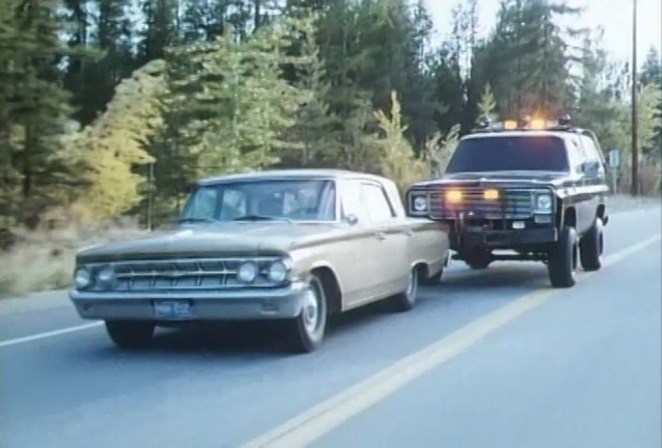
{"points": [[494, 358]]}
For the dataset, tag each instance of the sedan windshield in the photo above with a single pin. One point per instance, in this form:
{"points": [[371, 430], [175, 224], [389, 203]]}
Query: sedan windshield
{"points": [[262, 200], [509, 153]]}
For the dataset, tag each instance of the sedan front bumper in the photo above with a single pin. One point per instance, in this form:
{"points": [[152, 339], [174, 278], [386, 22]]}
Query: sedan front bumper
{"points": [[240, 304]]}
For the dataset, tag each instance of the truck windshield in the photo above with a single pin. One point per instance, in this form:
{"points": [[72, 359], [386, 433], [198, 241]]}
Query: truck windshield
{"points": [[509, 153]]}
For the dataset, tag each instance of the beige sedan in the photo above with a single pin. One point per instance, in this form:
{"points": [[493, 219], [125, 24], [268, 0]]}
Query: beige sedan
{"points": [[293, 245]]}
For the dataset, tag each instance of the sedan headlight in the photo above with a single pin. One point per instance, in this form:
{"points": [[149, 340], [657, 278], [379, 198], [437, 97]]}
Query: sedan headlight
{"points": [[279, 271], [420, 203], [247, 272], [544, 203], [82, 278]]}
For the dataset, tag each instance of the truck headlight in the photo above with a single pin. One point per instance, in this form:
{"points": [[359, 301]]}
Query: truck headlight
{"points": [[544, 203], [420, 203], [247, 272], [279, 271], [82, 278]]}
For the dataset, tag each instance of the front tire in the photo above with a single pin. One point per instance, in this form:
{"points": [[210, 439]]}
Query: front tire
{"points": [[592, 246], [478, 260], [306, 331], [130, 334], [406, 300], [562, 265]]}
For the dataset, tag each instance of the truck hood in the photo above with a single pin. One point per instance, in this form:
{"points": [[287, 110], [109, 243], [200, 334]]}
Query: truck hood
{"points": [[217, 239], [503, 177]]}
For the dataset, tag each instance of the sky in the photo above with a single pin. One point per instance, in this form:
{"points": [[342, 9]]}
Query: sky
{"points": [[614, 15]]}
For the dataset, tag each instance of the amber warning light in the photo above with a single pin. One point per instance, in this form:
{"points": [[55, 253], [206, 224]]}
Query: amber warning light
{"points": [[510, 124], [453, 196], [491, 194]]}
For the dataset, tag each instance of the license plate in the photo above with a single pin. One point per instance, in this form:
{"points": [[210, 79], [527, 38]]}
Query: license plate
{"points": [[172, 309]]}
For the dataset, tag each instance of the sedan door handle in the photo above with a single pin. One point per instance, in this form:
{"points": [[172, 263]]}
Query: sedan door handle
{"points": [[381, 235]]}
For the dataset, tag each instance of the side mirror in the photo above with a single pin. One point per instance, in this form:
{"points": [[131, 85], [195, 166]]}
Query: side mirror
{"points": [[352, 219]]}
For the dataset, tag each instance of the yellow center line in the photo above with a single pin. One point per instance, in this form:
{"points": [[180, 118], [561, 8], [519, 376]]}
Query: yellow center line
{"points": [[310, 425]]}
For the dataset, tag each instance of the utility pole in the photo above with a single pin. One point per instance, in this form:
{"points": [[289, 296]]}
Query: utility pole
{"points": [[634, 187]]}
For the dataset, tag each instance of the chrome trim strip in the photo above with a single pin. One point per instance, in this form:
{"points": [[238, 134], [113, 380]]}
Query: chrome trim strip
{"points": [[239, 293]]}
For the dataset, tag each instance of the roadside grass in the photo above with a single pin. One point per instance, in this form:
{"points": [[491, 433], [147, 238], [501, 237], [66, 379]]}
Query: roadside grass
{"points": [[44, 259]]}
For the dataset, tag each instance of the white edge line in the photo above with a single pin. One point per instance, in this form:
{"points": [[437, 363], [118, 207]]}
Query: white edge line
{"points": [[313, 423], [49, 334]]}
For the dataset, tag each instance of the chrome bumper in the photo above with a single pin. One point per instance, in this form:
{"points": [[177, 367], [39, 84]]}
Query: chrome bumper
{"points": [[246, 304]]}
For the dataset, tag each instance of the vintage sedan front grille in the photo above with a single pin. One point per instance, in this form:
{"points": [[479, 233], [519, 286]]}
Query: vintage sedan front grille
{"points": [[183, 274], [513, 203]]}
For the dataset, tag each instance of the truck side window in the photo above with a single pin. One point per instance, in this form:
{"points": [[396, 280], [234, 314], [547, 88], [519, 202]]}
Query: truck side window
{"points": [[592, 151], [576, 154]]}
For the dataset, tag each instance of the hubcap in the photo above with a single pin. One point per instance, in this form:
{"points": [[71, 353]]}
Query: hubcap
{"points": [[311, 309]]}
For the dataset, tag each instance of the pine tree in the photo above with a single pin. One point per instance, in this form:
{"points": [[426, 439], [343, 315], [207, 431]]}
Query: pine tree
{"points": [[161, 28], [314, 138], [110, 42], [33, 106], [397, 158], [487, 105], [528, 63], [228, 106]]}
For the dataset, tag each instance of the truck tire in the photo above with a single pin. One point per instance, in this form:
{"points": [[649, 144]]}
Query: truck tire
{"points": [[306, 331], [130, 334], [562, 263], [478, 260], [591, 247]]}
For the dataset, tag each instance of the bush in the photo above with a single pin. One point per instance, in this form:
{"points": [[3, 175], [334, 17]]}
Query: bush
{"points": [[44, 259]]}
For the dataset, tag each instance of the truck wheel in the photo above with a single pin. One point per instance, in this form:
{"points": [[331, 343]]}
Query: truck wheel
{"points": [[130, 333], [591, 247], [406, 300], [478, 260], [306, 331], [563, 256]]}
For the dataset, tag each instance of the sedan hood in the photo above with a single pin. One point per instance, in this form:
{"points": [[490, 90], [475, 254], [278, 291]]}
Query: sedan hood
{"points": [[224, 239]]}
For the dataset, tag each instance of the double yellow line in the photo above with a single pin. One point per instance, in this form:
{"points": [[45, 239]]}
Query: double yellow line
{"points": [[310, 425]]}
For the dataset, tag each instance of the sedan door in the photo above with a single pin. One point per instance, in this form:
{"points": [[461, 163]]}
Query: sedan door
{"points": [[357, 264], [392, 250]]}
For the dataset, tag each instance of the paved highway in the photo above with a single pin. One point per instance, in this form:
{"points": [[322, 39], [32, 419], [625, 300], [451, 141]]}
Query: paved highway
{"points": [[494, 358]]}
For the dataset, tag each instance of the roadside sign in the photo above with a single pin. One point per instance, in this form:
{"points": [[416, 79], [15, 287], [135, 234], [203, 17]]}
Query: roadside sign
{"points": [[614, 158]]}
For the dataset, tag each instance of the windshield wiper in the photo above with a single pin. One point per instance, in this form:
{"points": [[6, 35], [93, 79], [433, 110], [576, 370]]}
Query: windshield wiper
{"points": [[187, 220], [261, 218]]}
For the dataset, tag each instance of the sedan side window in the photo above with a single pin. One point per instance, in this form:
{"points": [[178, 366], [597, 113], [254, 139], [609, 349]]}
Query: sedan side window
{"points": [[351, 201], [377, 204]]}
